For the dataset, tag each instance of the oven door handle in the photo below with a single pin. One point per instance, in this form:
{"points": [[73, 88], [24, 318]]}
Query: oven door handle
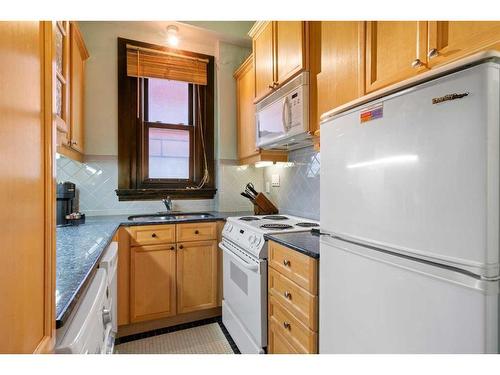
{"points": [[251, 267]]}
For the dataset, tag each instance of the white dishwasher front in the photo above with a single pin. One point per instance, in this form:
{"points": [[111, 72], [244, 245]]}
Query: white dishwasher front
{"points": [[90, 329]]}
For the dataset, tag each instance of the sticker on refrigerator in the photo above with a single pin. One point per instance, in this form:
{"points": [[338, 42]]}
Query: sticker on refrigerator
{"points": [[372, 113]]}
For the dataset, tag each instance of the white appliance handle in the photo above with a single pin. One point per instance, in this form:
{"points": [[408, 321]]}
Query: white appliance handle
{"points": [[248, 266], [285, 114]]}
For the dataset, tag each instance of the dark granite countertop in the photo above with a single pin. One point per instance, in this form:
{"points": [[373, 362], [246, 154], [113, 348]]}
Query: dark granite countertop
{"points": [[79, 250], [304, 242]]}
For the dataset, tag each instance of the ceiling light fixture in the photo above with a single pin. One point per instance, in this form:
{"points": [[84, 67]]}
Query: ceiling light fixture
{"points": [[172, 35]]}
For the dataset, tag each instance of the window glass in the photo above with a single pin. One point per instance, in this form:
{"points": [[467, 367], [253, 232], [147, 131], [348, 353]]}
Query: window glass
{"points": [[168, 153], [168, 101]]}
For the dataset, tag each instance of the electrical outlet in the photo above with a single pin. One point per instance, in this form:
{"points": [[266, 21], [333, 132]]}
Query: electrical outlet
{"points": [[268, 187], [275, 180]]}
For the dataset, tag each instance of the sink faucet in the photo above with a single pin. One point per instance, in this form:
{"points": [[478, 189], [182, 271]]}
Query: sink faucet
{"points": [[168, 203]]}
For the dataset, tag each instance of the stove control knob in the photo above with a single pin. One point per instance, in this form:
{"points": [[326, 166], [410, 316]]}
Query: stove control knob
{"points": [[229, 228], [252, 239]]}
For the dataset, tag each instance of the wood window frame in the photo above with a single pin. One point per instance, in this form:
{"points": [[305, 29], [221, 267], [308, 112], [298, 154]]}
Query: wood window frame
{"points": [[133, 180]]}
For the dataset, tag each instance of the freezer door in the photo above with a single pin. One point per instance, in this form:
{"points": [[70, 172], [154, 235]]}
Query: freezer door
{"points": [[420, 178], [371, 302]]}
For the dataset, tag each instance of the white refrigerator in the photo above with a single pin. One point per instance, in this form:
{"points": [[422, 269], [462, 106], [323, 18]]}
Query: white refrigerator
{"points": [[410, 208]]}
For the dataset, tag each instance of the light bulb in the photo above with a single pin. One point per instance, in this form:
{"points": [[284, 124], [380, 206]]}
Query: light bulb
{"points": [[172, 37]]}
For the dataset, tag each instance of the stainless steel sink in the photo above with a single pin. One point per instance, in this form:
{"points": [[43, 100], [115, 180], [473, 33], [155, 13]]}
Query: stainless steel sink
{"points": [[170, 216]]}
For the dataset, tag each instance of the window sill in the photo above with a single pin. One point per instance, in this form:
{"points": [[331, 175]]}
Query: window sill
{"points": [[156, 194]]}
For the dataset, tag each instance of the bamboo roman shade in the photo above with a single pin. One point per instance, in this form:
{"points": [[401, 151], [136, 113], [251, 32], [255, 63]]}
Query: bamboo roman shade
{"points": [[150, 63]]}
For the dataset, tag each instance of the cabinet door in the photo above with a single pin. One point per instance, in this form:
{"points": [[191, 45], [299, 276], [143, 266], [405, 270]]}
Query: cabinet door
{"points": [[78, 56], [197, 270], [342, 64], [263, 50], [395, 51], [290, 49], [245, 88], [449, 40], [152, 282], [27, 190]]}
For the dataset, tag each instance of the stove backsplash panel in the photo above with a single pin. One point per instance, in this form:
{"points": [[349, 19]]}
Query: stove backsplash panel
{"points": [[298, 193]]}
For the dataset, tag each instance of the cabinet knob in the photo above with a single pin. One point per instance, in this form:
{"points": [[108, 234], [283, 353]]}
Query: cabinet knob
{"points": [[196, 232], [288, 295], [172, 247], [153, 235], [286, 325], [286, 262], [432, 53], [181, 247], [416, 63]]}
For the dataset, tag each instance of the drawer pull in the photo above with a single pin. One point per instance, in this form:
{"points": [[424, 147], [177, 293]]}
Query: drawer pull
{"points": [[181, 247], [288, 295], [197, 232], [172, 247], [153, 235], [286, 262], [287, 325]]}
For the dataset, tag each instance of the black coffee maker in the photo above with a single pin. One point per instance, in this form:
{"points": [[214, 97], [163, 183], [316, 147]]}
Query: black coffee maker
{"points": [[67, 205]]}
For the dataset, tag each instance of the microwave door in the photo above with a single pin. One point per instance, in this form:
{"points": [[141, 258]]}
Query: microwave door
{"points": [[271, 122]]}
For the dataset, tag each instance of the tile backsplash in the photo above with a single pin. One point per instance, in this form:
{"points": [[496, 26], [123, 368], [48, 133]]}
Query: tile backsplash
{"points": [[97, 178], [298, 193]]}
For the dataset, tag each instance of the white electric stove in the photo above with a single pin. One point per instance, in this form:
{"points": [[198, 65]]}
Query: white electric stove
{"points": [[244, 306]]}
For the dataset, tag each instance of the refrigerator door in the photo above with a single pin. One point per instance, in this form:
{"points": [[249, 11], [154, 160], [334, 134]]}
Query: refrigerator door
{"points": [[420, 178], [373, 302]]}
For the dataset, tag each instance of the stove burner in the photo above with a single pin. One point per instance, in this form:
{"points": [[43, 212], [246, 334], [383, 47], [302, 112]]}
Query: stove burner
{"points": [[307, 225], [275, 217], [276, 226], [249, 218]]}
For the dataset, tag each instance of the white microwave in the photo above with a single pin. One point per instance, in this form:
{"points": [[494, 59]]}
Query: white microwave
{"points": [[282, 118]]}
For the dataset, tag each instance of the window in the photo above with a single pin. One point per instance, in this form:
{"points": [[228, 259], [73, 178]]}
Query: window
{"points": [[168, 120], [166, 123]]}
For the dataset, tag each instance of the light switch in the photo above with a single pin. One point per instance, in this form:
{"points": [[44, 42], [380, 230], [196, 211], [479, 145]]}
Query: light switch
{"points": [[275, 180]]}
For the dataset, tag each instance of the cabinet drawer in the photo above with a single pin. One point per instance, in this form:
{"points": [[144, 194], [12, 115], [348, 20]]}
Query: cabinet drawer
{"points": [[302, 304], [152, 234], [299, 268], [298, 335], [277, 343], [196, 231]]}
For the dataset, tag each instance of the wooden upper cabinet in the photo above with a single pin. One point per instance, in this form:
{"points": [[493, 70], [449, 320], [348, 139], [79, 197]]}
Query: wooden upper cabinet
{"points": [[290, 49], [395, 50], [152, 282], [263, 47], [245, 89], [279, 49], [79, 55], [450, 40], [197, 276], [342, 64]]}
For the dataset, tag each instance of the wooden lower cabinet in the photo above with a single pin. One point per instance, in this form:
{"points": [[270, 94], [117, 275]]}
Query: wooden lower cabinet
{"points": [[153, 282], [277, 342], [197, 276], [292, 301], [160, 277]]}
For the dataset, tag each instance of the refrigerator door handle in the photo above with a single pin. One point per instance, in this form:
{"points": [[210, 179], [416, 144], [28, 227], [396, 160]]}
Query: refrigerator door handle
{"points": [[447, 273]]}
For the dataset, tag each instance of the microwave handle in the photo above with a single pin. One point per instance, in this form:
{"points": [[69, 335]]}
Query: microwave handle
{"points": [[286, 110]]}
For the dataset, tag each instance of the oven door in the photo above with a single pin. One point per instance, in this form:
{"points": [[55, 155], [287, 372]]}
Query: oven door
{"points": [[245, 298]]}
